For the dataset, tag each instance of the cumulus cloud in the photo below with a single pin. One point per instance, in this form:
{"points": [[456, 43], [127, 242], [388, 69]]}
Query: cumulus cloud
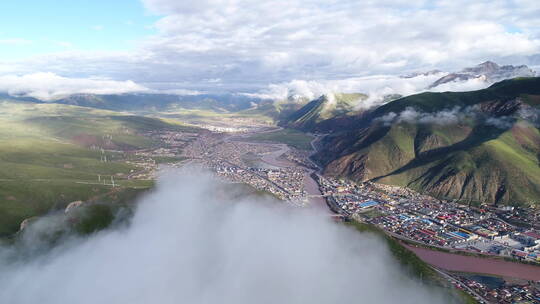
{"points": [[15, 41], [464, 85], [49, 86], [411, 115], [455, 115], [248, 44], [194, 241], [530, 114], [503, 122], [376, 87]]}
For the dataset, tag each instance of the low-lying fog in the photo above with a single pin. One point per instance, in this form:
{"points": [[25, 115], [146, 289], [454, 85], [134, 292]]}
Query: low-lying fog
{"points": [[193, 240]]}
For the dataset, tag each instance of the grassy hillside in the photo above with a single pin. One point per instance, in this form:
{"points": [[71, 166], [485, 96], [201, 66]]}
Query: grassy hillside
{"points": [[323, 109], [505, 90], [50, 155], [459, 154]]}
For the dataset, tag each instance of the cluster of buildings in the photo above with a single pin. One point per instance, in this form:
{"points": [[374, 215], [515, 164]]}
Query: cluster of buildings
{"points": [[172, 139], [495, 290], [423, 219], [401, 212], [171, 145], [220, 129], [229, 160], [211, 146], [520, 216], [285, 184], [300, 157]]}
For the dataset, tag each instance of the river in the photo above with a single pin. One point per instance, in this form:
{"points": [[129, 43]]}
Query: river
{"points": [[312, 187], [463, 263]]}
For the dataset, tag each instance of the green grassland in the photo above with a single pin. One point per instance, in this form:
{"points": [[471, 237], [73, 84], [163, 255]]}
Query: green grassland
{"points": [[212, 116], [293, 138], [50, 155]]}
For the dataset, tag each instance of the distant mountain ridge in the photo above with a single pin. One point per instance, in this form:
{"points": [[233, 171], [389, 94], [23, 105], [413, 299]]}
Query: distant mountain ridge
{"points": [[488, 71], [140, 102]]}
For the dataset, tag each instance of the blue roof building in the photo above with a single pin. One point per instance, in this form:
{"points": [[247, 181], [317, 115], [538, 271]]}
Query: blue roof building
{"points": [[368, 204]]}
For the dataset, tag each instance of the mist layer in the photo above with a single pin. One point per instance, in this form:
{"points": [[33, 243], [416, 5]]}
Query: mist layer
{"points": [[195, 240]]}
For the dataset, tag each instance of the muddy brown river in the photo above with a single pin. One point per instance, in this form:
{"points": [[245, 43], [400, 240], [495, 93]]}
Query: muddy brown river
{"points": [[463, 263]]}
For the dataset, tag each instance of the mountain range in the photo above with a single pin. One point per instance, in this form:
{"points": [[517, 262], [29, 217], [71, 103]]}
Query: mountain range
{"points": [[150, 102], [316, 113], [488, 71], [479, 146]]}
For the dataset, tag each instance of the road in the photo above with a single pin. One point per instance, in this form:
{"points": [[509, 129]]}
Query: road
{"points": [[455, 281]]}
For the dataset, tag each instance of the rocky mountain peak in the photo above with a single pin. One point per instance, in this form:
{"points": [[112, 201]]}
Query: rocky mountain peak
{"points": [[489, 72]]}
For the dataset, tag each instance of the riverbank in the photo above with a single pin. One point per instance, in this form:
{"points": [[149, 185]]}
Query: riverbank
{"points": [[471, 264]]}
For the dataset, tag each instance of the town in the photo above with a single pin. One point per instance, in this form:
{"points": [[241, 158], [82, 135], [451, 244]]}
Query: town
{"points": [[428, 221], [240, 161], [281, 170], [408, 216]]}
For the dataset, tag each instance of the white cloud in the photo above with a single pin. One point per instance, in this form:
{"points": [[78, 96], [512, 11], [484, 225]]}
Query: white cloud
{"points": [[444, 117], [461, 86], [49, 86], [450, 116], [15, 41], [193, 241], [503, 122], [98, 27], [248, 44], [458, 115], [64, 44], [320, 40], [375, 86], [530, 114]]}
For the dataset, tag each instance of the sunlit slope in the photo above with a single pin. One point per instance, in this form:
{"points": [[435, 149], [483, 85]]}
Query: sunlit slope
{"points": [[323, 109], [469, 158], [49, 155]]}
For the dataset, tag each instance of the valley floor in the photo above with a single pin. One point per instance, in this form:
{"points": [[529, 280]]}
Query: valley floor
{"points": [[289, 174], [269, 159]]}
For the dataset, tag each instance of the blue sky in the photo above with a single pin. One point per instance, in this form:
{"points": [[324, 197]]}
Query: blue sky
{"points": [[35, 27]]}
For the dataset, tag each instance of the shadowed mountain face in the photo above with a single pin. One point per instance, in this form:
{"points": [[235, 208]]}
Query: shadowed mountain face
{"points": [[482, 146]]}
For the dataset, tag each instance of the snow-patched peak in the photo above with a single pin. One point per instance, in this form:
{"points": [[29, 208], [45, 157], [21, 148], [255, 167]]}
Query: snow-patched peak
{"points": [[488, 71]]}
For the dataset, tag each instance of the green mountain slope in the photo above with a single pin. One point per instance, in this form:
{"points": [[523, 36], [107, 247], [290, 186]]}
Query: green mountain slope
{"points": [[323, 109], [480, 146], [50, 155]]}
